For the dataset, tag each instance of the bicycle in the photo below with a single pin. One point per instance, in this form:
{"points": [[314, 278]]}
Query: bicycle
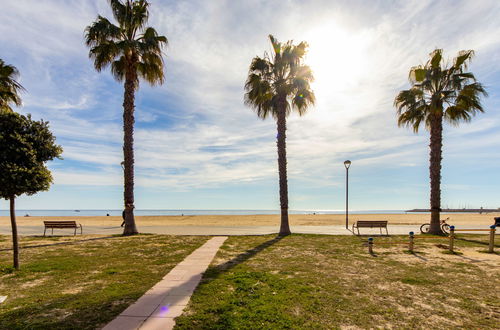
{"points": [[445, 227]]}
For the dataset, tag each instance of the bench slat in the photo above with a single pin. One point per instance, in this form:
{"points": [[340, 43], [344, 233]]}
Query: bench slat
{"points": [[60, 224], [371, 223]]}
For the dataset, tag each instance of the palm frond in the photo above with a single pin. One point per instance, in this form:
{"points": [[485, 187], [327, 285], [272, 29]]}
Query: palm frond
{"points": [[102, 30], [151, 69], [281, 81], [435, 59], [437, 91], [119, 68], [128, 46], [9, 87], [119, 10], [463, 59], [104, 54], [150, 41]]}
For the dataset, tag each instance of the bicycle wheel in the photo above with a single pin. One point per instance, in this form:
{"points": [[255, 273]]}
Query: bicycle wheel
{"points": [[445, 228], [424, 229]]}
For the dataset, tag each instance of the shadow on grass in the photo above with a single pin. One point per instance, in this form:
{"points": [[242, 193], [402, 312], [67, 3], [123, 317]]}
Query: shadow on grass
{"points": [[475, 241], [418, 256], [61, 243], [242, 257]]}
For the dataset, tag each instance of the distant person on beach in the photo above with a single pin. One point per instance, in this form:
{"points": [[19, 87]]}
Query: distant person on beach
{"points": [[123, 216]]}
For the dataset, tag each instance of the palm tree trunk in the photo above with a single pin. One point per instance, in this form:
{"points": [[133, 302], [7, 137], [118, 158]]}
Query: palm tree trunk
{"points": [[15, 244], [281, 142], [436, 145], [128, 152]]}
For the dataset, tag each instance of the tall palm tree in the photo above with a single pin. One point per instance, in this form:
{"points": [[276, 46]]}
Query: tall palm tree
{"points": [[133, 51], [277, 84], [9, 87], [439, 93]]}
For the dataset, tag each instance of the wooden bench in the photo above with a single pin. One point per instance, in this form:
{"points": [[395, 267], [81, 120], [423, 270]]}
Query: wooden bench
{"points": [[61, 225], [370, 224]]}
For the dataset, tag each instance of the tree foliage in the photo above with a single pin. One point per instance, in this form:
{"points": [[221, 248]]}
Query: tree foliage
{"points": [[129, 46], [25, 146], [280, 79], [437, 90], [9, 87]]}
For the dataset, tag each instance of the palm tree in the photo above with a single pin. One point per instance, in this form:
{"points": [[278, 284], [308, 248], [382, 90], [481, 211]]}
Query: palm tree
{"points": [[133, 51], [439, 93], [9, 87], [276, 85]]}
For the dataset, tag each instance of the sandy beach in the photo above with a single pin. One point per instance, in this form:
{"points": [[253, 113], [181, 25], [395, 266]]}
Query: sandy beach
{"points": [[458, 219]]}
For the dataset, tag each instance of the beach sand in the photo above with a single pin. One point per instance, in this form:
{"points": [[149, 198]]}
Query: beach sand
{"points": [[458, 219]]}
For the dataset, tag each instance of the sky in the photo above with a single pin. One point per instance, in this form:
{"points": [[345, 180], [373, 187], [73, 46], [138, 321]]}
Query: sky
{"points": [[199, 147]]}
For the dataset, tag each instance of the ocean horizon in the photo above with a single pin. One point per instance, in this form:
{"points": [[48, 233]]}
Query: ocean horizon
{"points": [[172, 212]]}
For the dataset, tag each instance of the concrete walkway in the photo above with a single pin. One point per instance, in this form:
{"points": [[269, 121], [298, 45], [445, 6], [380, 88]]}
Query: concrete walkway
{"points": [[225, 230], [158, 307]]}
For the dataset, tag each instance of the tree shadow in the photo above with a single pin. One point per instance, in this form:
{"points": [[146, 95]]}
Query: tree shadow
{"points": [[418, 256], [242, 257]]}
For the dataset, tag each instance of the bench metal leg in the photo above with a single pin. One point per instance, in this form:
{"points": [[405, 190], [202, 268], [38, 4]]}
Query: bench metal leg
{"points": [[52, 231], [44, 230], [75, 232]]}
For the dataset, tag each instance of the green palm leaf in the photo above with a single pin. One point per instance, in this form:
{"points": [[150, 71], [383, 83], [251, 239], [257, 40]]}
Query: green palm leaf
{"points": [[9, 87]]}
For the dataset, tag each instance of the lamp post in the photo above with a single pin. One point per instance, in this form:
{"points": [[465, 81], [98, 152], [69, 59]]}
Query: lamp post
{"points": [[347, 164]]}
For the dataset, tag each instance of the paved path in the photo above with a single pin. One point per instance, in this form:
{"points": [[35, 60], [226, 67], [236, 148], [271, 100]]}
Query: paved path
{"points": [[223, 230], [158, 307]]}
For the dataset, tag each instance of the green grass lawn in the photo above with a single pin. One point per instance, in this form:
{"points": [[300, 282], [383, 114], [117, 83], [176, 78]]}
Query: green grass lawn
{"points": [[82, 282], [325, 282], [298, 282]]}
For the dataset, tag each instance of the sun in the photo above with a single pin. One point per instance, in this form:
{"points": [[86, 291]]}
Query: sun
{"points": [[337, 57]]}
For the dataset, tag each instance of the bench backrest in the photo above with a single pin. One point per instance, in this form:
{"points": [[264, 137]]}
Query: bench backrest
{"points": [[371, 223], [60, 224]]}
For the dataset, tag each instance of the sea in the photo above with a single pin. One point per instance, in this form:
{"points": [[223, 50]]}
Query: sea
{"points": [[93, 213]]}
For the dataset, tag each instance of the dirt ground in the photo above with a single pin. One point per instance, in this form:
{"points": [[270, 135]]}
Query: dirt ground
{"points": [[458, 219]]}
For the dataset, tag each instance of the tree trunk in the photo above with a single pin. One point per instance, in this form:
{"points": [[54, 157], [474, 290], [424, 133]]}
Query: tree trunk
{"points": [[281, 142], [436, 145], [128, 150], [15, 243]]}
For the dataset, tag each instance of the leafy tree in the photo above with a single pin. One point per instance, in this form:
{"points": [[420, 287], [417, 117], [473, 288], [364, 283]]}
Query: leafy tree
{"points": [[25, 146], [439, 93], [133, 51], [277, 84], [9, 87]]}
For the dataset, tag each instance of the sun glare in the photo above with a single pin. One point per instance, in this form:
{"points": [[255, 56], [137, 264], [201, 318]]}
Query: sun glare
{"points": [[337, 58]]}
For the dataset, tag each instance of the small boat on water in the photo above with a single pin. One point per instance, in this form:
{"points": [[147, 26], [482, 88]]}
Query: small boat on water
{"points": [[77, 210]]}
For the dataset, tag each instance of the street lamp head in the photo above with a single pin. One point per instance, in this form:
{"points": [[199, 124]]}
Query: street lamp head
{"points": [[347, 163]]}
